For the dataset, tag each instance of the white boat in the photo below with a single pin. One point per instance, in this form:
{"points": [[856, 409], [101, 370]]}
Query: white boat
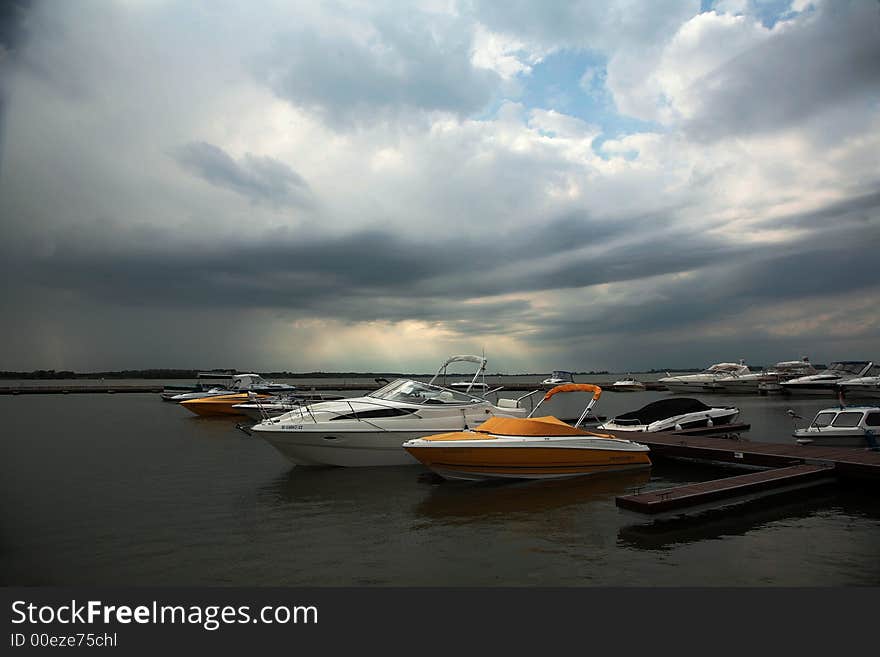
{"points": [[843, 426], [557, 378], [260, 409], [239, 383], [707, 380], [756, 382], [369, 431], [628, 384], [863, 387], [205, 382], [826, 382], [672, 414], [529, 448]]}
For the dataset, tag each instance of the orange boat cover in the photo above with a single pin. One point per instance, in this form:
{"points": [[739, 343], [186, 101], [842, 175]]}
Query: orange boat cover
{"points": [[574, 387], [535, 426]]}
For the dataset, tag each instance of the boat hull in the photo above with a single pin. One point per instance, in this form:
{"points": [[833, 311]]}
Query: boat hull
{"points": [[349, 449], [500, 459], [219, 405], [833, 438]]}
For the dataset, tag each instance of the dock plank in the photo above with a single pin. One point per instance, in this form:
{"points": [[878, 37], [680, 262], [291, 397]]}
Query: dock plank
{"points": [[705, 492]]}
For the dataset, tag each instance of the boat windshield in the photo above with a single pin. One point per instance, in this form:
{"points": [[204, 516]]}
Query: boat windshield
{"points": [[416, 392], [848, 367], [562, 375], [823, 418], [724, 367]]}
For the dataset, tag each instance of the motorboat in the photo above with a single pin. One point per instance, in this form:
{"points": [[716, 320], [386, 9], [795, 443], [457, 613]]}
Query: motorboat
{"points": [[863, 387], [369, 430], [221, 404], [672, 414], [240, 383], [826, 382], [707, 380], [529, 448], [557, 378], [843, 426], [206, 382], [752, 383], [260, 408], [628, 384]]}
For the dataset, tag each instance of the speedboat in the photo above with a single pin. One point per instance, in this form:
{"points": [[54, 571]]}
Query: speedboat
{"points": [[756, 382], [706, 381], [826, 382], [557, 378], [369, 430], [240, 383], [220, 404], [529, 448], [843, 426], [672, 414], [628, 384], [863, 387], [206, 382], [259, 408]]}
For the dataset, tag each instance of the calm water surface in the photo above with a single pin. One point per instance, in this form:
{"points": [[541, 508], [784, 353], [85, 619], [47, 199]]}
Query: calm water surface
{"points": [[125, 489]]}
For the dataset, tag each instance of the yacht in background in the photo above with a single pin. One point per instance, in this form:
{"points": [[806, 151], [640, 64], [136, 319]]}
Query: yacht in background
{"points": [[826, 382], [866, 386], [707, 380], [752, 383], [628, 384], [558, 377], [205, 382], [240, 383]]}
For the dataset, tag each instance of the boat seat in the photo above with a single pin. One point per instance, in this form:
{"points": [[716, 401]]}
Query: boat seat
{"points": [[504, 402]]}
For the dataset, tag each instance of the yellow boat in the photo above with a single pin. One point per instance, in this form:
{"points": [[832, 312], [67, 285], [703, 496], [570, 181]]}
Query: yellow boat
{"points": [[529, 448], [220, 404]]}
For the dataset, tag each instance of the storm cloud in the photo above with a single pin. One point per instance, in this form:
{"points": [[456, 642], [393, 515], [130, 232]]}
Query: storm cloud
{"points": [[369, 187]]}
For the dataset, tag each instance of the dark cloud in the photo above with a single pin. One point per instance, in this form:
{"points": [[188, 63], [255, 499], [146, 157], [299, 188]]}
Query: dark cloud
{"points": [[406, 64], [260, 179], [831, 59]]}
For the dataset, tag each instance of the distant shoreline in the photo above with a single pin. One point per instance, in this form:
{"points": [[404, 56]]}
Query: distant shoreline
{"points": [[193, 374]]}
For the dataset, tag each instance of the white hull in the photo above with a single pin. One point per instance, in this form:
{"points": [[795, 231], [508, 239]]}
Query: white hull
{"points": [[350, 450], [832, 438], [693, 387], [365, 432]]}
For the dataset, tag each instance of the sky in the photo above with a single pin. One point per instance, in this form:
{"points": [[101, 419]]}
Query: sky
{"points": [[353, 185]]}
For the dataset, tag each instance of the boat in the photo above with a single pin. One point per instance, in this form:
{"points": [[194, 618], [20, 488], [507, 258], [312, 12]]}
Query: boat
{"points": [[558, 377], [628, 384], [240, 383], [672, 414], [260, 408], [529, 448], [205, 382], [757, 382], [369, 430], [221, 404], [826, 382], [863, 387], [707, 380], [842, 426]]}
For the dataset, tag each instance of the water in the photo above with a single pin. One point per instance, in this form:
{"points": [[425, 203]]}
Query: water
{"points": [[125, 489]]}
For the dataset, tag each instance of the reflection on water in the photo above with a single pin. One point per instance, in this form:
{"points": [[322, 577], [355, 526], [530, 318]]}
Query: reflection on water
{"points": [[464, 501], [665, 533]]}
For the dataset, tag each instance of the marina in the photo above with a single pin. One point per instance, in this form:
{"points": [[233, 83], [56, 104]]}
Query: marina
{"points": [[252, 517]]}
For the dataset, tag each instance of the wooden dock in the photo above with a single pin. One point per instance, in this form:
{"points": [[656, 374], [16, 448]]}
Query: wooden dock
{"points": [[784, 467], [748, 486]]}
